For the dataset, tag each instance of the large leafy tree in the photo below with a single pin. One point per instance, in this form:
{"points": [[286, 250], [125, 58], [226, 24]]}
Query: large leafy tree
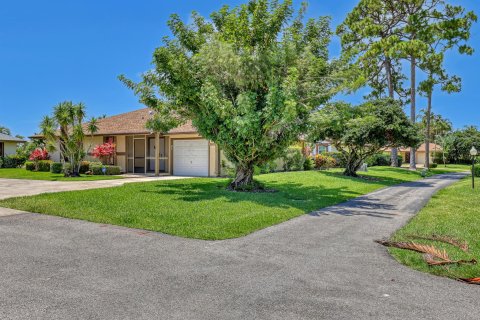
{"points": [[368, 34], [462, 142], [64, 131], [361, 131], [248, 79]]}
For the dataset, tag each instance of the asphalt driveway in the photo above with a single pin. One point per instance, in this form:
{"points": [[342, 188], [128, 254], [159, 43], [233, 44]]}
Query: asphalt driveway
{"points": [[319, 266]]}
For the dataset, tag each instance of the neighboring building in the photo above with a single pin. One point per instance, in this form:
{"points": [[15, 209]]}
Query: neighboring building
{"points": [[8, 144], [320, 147], [419, 153], [182, 150]]}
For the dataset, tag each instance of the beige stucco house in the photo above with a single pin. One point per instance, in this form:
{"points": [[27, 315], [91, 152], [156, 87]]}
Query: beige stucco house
{"points": [[420, 153], [8, 144], [181, 151]]}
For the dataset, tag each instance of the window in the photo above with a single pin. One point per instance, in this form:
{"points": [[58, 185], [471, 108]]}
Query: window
{"points": [[109, 139], [1, 149]]}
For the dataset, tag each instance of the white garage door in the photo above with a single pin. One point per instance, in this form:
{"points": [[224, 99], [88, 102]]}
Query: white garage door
{"points": [[190, 158]]}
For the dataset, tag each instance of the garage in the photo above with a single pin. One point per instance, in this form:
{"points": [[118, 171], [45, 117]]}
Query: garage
{"points": [[190, 158]]}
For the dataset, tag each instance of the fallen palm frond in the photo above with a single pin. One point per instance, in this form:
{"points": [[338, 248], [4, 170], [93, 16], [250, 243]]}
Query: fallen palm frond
{"points": [[461, 244], [433, 256], [471, 280], [433, 261]]}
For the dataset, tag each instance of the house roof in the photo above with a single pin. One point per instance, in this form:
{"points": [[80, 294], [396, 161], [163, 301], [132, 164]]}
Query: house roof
{"points": [[6, 137], [132, 122]]}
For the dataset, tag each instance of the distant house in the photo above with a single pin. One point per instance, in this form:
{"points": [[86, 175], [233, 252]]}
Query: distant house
{"points": [[8, 144], [322, 147], [420, 153]]}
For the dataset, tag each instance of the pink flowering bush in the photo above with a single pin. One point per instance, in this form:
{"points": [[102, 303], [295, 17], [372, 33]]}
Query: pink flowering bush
{"points": [[38, 155], [104, 152]]}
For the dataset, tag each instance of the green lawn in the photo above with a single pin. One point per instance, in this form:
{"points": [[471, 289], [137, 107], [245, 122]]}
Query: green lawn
{"points": [[202, 208], [451, 168], [455, 212], [21, 173]]}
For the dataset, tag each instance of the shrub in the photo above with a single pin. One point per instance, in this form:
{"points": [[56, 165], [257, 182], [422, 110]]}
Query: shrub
{"points": [[39, 154], [477, 171], [104, 152], [30, 165], [1, 162], [84, 167], [433, 165], [379, 159], [44, 165], [56, 167], [324, 162], [293, 159], [110, 170], [13, 161], [227, 169], [309, 164], [399, 161], [339, 159], [268, 167]]}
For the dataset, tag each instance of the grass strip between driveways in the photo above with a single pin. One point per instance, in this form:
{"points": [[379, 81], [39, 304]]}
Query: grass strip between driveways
{"points": [[21, 173], [202, 208], [455, 212]]}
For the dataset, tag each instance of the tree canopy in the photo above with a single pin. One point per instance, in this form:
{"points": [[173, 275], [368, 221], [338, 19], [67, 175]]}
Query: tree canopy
{"points": [[248, 79], [362, 131]]}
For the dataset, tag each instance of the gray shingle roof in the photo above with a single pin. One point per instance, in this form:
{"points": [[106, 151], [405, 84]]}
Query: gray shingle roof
{"points": [[6, 137]]}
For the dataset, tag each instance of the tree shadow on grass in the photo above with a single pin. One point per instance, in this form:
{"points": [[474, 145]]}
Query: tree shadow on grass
{"points": [[288, 195]]}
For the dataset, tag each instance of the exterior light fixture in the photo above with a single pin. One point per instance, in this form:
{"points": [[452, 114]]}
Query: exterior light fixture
{"points": [[473, 153]]}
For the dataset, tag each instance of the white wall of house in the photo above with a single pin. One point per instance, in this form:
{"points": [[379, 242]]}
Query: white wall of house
{"points": [[9, 147]]}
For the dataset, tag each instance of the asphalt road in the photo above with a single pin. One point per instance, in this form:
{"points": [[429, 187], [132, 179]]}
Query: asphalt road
{"points": [[319, 266]]}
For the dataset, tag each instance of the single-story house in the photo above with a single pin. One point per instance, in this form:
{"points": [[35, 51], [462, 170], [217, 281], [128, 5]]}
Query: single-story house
{"points": [[322, 147], [8, 144], [420, 153], [182, 151]]}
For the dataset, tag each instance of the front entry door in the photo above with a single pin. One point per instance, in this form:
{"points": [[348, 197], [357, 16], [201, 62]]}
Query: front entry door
{"points": [[139, 155]]}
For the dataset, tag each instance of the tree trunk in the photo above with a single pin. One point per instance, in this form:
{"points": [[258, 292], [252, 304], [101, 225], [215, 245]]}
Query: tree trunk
{"points": [[243, 178], [413, 111], [352, 167], [427, 133], [391, 94]]}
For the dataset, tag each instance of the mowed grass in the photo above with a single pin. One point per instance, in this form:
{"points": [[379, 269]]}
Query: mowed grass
{"points": [[21, 173], [451, 168], [202, 208], [454, 212]]}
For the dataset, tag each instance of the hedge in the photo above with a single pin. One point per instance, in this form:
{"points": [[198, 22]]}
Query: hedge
{"points": [[56, 167], [30, 166], [12, 161], [381, 159], [111, 170], [477, 171], [43, 165]]}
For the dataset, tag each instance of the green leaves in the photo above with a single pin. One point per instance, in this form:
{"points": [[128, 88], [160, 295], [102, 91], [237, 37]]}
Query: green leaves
{"points": [[360, 131], [248, 79]]}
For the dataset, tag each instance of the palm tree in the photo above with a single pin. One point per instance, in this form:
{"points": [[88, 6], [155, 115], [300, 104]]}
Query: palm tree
{"points": [[64, 130]]}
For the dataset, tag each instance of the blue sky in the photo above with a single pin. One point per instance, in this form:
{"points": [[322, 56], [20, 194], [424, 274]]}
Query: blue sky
{"points": [[59, 50]]}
